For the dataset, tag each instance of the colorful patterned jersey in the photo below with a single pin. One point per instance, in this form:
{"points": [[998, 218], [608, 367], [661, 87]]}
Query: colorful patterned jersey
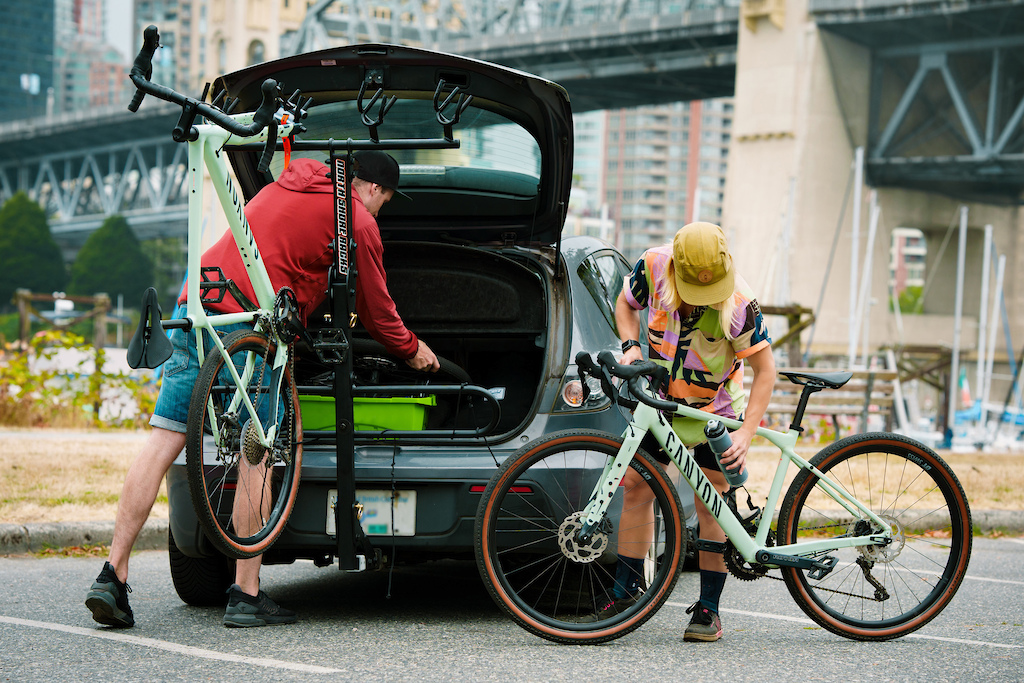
{"points": [[706, 368]]}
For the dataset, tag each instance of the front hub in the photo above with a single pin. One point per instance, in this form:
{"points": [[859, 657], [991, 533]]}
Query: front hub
{"points": [[585, 551]]}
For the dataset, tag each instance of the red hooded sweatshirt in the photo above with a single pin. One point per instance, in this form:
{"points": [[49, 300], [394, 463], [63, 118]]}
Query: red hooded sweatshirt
{"points": [[292, 221]]}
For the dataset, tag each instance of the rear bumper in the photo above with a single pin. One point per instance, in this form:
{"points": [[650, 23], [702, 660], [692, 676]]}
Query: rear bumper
{"points": [[445, 505]]}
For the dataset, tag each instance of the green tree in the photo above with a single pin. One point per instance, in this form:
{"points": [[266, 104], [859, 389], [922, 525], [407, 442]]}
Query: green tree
{"points": [[29, 256], [910, 300], [112, 261]]}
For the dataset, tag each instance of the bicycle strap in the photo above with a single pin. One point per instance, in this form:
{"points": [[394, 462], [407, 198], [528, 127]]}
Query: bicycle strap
{"points": [[287, 143], [710, 546]]}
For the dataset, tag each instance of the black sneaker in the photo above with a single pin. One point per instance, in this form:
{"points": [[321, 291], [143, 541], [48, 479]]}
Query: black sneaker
{"points": [[246, 610], [704, 626], [108, 600], [613, 608]]}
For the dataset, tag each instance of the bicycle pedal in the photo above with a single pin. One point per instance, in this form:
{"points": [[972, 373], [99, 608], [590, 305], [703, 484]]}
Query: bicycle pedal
{"points": [[822, 568]]}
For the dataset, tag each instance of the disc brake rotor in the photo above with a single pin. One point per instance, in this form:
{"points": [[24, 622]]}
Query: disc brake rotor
{"points": [[885, 553], [570, 546]]}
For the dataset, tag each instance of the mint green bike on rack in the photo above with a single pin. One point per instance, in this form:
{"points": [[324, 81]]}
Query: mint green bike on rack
{"points": [[873, 536], [244, 430]]}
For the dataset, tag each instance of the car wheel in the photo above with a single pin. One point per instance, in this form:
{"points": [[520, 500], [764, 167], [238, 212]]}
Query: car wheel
{"points": [[199, 581]]}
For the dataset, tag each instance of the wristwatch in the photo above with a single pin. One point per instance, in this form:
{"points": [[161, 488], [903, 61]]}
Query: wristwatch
{"points": [[629, 343]]}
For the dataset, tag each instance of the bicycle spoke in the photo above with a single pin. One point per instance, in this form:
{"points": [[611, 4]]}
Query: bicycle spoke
{"points": [[550, 578], [873, 592], [243, 490]]}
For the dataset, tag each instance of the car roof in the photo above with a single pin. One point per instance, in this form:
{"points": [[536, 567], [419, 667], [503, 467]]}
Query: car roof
{"points": [[508, 181]]}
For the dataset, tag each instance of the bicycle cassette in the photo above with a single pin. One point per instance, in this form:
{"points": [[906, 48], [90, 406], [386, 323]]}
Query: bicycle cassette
{"points": [[740, 568]]}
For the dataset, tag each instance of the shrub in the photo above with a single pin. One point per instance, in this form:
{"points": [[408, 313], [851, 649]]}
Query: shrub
{"points": [[35, 391]]}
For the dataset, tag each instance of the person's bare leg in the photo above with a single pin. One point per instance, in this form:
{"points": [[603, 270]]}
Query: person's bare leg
{"points": [[636, 524], [141, 485], [249, 513], [250, 510], [709, 528]]}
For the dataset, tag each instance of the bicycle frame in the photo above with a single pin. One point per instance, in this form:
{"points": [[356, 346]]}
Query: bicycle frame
{"points": [[647, 419], [206, 151]]}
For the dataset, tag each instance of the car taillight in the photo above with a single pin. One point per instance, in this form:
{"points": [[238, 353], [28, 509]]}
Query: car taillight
{"points": [[572, 394], [478, 488]]}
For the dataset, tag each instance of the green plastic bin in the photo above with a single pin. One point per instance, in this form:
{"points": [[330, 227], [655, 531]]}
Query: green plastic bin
{"points": [[369, 413]]}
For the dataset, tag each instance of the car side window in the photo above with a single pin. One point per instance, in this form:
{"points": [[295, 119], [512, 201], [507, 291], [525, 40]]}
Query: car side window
{"points": [[602, 274]]}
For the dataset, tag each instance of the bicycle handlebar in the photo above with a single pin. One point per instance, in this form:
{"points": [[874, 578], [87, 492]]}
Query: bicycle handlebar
{"points": [[607, 367], [142, 70]]}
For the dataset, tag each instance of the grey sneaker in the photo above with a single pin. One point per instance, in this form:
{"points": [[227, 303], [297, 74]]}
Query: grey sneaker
{"points": [[245, 610], [108, 600], [705, 624]]}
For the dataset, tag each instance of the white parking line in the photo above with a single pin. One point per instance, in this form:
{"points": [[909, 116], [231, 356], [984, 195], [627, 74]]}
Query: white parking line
{"points": [[1015, 540], [981, 578], [801, 620], [170, 647]]}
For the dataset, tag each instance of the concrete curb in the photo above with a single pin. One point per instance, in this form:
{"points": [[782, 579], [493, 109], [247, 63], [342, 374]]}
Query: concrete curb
{"points": [[17, 539]]}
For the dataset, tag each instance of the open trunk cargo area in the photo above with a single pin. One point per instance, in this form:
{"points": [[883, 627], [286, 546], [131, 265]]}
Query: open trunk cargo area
{"points": [[484, 311]]}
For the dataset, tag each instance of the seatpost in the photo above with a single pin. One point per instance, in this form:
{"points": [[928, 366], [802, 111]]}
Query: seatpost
{"points": [[801, 406]]}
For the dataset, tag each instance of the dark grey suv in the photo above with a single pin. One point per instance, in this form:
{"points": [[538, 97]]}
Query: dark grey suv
{"points": [[478, 268]]}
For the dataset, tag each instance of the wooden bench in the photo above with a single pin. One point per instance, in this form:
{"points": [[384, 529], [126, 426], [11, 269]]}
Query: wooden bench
{"points": [[868, 392]]}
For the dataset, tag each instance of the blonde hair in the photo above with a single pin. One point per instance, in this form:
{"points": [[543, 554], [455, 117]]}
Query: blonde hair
{"points": [[671, 301]]}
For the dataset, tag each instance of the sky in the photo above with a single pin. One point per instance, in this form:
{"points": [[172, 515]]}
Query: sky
{"points": [[119, 27]]}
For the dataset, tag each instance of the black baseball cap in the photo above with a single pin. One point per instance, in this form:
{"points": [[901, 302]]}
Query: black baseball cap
{"points": [[378, 167]]}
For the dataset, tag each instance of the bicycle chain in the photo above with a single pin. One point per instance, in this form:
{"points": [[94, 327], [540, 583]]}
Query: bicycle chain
{"points": [[735, 563], [739, 568]]}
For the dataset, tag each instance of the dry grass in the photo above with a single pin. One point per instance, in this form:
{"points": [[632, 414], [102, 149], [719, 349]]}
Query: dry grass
{"points": [[992, 481], [49, 476]]}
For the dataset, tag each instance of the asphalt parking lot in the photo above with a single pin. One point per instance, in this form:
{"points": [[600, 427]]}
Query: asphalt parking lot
{"points": [[436, 622]]}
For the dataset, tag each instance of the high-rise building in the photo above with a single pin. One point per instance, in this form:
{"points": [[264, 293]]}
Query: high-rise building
{"points": [[26, 58], [87, 72], [651, 169], [907, 257], [207, 38], [164, 15]]}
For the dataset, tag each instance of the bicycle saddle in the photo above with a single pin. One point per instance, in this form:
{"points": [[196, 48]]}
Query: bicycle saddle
{"points": [[830, 380], [149, 346]]}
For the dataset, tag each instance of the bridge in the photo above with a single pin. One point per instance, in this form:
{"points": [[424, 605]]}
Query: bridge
{"points": [[608, 54], [943, 82]]}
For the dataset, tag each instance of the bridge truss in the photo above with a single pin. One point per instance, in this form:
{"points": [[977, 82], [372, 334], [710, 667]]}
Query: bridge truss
{"points": [[946, 96], [606, 53], [143, 178]]}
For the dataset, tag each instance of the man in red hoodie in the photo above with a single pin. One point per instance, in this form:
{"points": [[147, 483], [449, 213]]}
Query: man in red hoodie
{"points": [[292, 221]]}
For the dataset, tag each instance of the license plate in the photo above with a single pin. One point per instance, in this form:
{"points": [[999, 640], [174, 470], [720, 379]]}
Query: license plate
{"points": [[379, 509]]}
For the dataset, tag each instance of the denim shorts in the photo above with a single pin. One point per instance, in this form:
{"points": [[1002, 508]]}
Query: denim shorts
{"points": [[179, 373]]}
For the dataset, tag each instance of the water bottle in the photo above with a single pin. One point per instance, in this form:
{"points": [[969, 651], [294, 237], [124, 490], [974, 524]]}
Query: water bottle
{"points": [[718, 439]]}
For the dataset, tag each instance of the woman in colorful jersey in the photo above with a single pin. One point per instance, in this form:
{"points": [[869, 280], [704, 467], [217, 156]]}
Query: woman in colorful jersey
{"points": [[704, 326]]}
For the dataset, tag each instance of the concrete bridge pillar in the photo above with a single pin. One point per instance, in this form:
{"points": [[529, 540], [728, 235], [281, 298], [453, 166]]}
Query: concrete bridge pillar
{"points": [[801, 110]]}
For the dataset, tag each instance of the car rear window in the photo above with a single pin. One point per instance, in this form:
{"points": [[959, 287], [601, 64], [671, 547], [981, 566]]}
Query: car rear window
{"points": [[489, 143]]}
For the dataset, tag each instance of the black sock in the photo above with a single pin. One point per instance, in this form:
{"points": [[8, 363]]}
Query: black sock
{"points": [[629, 573], [711, 585]]}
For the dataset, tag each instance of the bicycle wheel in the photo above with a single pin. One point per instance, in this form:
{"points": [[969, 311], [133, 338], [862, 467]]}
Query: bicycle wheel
{"points": [[243, 493], [880, 592], [528, 554]]}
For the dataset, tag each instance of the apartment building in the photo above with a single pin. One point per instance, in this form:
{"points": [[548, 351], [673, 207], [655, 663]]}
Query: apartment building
{"points": [[649, 170]]}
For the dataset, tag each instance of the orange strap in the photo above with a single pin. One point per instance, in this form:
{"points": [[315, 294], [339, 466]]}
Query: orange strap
{"points": [[287, 145]]}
